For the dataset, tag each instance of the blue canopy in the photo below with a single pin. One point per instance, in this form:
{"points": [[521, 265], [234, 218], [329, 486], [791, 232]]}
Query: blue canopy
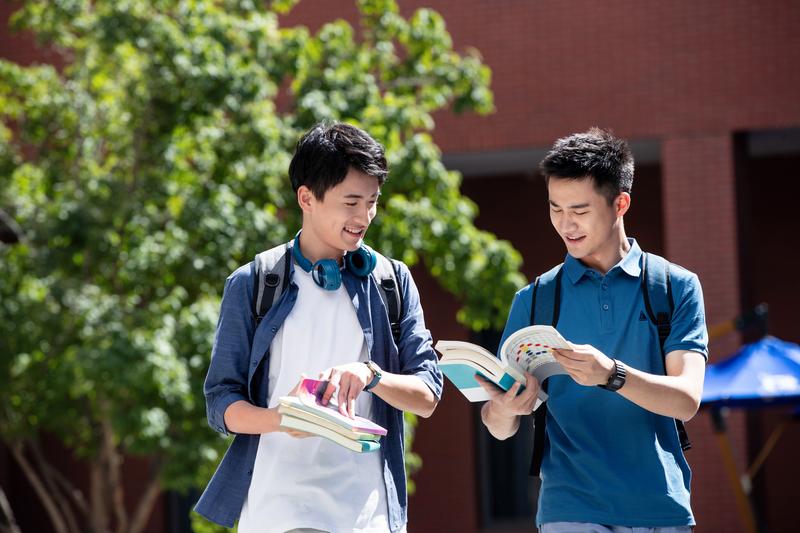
{"points": [[766, 372]]}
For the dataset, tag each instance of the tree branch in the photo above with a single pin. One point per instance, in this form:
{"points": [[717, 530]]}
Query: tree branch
{"points": [[12, 526], [151, 493], [58, 496], [70, 490], [50, 506]]}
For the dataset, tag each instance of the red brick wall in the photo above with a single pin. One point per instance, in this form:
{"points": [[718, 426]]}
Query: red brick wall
{"points": [[647, 68], [699, 194]]}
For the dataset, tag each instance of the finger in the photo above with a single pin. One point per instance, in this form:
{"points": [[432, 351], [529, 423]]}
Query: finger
{"points": [[567, 354], [333, 383], [513, 392], [351, 407], [489, 386], [345, 386]]}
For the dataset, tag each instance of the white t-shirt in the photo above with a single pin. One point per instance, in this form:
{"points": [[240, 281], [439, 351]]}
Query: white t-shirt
{"points": [[312, 482]]}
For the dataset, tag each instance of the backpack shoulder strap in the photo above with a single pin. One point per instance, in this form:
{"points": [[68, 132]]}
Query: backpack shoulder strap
{"points": [[386, 277], [657, 296], [272, 275], [546, 297], [545, 309]]}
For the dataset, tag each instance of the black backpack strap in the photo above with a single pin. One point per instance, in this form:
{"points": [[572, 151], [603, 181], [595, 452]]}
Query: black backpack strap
{"points": [[545, 309], [386, 277], [657, 296], [272, 276]]}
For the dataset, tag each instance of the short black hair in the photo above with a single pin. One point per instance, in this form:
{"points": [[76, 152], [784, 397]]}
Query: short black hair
{"points": [[326, 153], [595, 153]]}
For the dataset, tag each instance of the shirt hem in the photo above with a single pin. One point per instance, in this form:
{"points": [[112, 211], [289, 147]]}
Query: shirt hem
{"points": [[620, 521]]}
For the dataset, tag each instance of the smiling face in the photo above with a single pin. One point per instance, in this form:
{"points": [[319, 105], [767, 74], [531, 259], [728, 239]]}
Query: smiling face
{"points": [[591, 229], [337, 222]]}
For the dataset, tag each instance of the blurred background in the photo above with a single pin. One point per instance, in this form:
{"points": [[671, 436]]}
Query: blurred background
{"points": [[143, 156]]}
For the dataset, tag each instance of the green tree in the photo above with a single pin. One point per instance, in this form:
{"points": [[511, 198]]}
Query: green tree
{"points": [[151, 165]]}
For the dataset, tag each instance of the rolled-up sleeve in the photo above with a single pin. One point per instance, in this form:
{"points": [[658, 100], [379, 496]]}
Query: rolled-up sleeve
{"points": [[226, 381], [417, 356]]}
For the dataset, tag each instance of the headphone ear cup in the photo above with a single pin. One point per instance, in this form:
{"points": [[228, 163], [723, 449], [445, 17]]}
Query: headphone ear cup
{"points": [[362, 261], [326, 274]]}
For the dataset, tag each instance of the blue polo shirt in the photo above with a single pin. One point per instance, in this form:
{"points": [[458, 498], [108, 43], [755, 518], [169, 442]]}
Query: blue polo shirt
{"points": [[607, 460]]}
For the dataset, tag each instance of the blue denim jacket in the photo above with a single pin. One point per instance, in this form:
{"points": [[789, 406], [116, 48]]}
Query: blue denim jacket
{"points": [[240, 367]]}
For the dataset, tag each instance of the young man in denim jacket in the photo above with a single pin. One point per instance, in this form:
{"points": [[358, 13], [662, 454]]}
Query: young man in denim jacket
{"points": [[330, 322]]}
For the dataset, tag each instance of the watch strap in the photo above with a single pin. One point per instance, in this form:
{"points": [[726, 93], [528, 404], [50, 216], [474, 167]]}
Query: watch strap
{"points": [[617, 378], [376, 374]]}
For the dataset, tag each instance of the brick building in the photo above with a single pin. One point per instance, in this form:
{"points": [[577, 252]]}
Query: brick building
{"points": [[708, 92]]}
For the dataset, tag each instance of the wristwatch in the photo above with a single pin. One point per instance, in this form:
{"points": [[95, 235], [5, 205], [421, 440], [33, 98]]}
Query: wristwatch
{"points": [[617, 378], [377, 374]]}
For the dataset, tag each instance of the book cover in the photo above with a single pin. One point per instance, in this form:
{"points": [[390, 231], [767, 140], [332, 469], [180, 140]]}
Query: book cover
{"points": [[460, 362], [526, 350]]}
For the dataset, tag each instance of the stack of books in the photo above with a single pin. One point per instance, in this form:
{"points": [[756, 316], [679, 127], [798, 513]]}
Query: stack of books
{"points": [[304, 412]]}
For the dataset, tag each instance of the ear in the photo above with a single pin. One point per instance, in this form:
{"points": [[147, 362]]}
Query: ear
{"points": [[622, 203], [305, 199]]}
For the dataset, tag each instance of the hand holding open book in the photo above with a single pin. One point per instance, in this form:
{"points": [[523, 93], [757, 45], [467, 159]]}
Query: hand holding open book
{"points": [[528, 350], [305, 412]]}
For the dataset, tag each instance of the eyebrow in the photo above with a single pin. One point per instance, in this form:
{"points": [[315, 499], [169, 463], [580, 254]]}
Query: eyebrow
{"points": [[358, 196], [573, 206]]}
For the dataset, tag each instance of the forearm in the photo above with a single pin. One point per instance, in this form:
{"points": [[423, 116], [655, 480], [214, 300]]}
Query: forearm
{"points": [[244, 417], [672, 396], [500, 424], [406, 393]]}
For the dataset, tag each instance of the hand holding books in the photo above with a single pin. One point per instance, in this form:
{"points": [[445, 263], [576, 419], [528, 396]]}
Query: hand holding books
{"points": [[518, 400], [527, 351], [306, 413]]}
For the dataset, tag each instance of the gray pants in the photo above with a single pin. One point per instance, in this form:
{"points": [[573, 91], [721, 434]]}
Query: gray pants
{"points": [[583, 527]]}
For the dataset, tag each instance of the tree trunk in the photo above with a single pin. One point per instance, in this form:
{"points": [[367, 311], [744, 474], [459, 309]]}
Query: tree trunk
{"points": [[98, 515], [113, 478]]}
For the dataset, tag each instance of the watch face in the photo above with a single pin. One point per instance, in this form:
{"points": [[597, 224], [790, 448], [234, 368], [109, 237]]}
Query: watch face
{"points": [[617, 379]]}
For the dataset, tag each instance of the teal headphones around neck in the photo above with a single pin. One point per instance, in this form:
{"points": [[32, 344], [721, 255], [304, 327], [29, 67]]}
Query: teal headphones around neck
{"points": [[326, 272]]}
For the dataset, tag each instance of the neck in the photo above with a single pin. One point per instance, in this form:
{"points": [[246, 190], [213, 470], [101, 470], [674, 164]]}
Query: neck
{"points": [[611, 254], [314, 250]]}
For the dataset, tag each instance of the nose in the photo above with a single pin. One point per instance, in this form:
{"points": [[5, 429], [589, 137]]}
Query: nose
{"points": [[365, 214], [566, 223]]}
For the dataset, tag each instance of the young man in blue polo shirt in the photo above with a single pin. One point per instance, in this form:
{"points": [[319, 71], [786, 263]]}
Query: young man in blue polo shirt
{"points": [[330, 322], [612, 457]]}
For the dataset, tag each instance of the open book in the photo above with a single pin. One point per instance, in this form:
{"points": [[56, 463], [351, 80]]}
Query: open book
{"points": [[304, 412], [526, 350]]}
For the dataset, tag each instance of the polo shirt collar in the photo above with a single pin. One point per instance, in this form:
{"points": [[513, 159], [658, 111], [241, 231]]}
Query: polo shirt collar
{"points": [[630, 264]]}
